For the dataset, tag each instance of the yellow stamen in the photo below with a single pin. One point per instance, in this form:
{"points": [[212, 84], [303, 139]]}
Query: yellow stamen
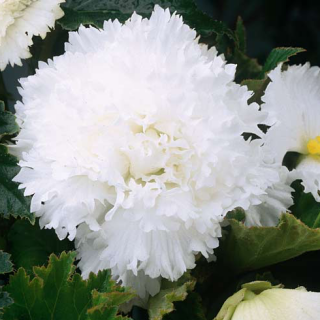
{"points": [[314, 146]]}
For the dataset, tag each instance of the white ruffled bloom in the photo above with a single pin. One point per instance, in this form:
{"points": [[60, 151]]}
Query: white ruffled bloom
{"points": [[140, 144], [20, 20], [293, 101], [277, 198], [260, 300]]}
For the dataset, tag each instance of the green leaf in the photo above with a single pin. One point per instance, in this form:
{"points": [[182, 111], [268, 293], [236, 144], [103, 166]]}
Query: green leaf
{"points": [[31, 246], [237, 214], [247, 68], [5, 301], [217, 27], [105, 305], [279, 55], [5, 263], [189, 309], [73, 18], [252, 248], [12, 200], [56, 292], [162, 303], [5, 267], [258, 87], [96, 12], [8, 123], [305, 207], [240, 34]]}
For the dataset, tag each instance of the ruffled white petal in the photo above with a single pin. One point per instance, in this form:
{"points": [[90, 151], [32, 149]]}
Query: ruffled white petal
{"points": [[308, 170], [93, 244], [20, 21], [277, 198]]}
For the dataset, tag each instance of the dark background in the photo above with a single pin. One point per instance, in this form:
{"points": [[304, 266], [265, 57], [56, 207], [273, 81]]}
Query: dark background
{"points": [[272, 23]]}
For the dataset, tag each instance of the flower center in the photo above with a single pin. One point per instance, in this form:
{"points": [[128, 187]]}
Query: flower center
{"points": [[314, 146]]}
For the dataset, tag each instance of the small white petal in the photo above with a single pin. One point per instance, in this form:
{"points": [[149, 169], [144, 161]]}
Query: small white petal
{"points": [[308, 170]]}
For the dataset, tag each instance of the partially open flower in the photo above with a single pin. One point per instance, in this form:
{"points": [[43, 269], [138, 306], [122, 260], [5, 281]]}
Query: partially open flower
{"points": [[260, 300], [19, 22]]}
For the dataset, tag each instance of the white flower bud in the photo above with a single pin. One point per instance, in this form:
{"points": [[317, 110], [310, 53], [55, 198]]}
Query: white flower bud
{"points": [[260, 300]]}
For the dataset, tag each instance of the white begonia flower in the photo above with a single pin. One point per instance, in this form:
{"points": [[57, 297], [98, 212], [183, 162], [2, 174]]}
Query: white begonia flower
{"points": [[293, 101], [260, 300], [20, 20], [141, 144], [278, 196]]}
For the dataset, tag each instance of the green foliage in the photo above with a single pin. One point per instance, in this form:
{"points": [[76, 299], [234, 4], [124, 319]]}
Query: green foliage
{"points": [[241, 37], [12, 200], [305, 207], [31, 246], [236, 214], [162, 303], [94, 13], [189, 309], [5, 263], [251, 74], [5, 267], [57, 292], [8, 123], [106, 305], [73, 18], [252, 248], [258, 87], [247, 68], [279, 55], [5, 301]]}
